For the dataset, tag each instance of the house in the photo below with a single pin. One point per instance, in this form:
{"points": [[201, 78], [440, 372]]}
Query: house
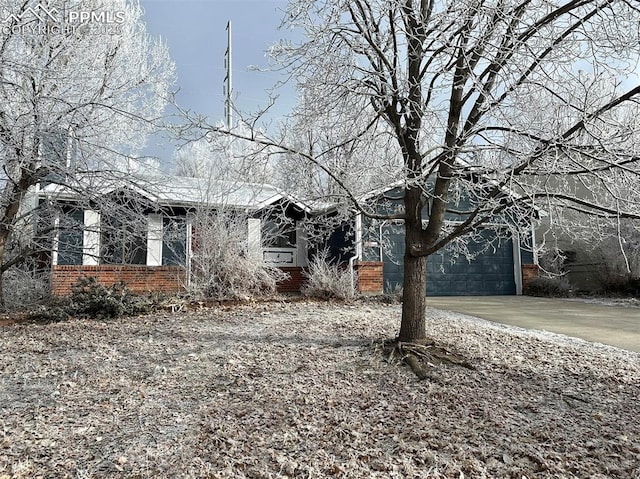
{"points": [[143, 229], [590, 236]]}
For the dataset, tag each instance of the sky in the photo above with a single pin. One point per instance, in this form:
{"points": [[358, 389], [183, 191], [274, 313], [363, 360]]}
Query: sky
{"points": [[195, 32]]}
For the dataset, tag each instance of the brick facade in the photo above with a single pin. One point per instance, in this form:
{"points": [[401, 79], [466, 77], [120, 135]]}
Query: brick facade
{"points": [[139, 279], [529, 272], [294, 282], [369, 274], [370, 279], [171, 279]]}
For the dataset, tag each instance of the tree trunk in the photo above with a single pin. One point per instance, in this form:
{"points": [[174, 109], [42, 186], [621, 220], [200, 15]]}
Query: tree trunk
{"points": [[3, 242], [413, 326]]}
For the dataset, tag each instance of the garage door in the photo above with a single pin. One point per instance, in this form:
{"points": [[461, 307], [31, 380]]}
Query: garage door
{"points": [[490, 273]]}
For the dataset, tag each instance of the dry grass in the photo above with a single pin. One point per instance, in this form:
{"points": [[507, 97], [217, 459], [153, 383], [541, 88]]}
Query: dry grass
{"points": [[327, 280], [301, 390]]}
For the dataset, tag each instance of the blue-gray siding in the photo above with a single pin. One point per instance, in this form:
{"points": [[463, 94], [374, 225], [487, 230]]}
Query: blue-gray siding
{"points": [[490, 273]]}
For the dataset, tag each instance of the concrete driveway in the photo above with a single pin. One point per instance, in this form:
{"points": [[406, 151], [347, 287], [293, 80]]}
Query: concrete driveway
{"points": [[614, 325]]}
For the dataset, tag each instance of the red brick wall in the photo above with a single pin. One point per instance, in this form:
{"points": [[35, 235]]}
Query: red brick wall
{"points": [[294, 282], [529, 272], [140, 279], [370, 278]]}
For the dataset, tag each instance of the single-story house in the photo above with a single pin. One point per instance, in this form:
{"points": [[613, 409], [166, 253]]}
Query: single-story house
{"points": [[154, 251]]}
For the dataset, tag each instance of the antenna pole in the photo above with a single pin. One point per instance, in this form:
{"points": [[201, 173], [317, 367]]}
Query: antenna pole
{"points": [[228, 85]]}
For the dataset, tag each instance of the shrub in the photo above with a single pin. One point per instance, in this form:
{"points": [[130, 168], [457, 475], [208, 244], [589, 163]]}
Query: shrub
{"points": [[621, 286], [392, 293], [327, 280], [558, 287], [222, 266], [92, 299], [25, 286], [238, 277], [50, 313]]}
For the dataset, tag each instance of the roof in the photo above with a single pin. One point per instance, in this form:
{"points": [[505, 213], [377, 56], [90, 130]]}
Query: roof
{"points": [[401, 184], [169, 190]]}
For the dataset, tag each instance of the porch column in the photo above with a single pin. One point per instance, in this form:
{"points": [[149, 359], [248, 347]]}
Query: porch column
{"points": [[188, 250], [91, 238], [254, 238], [154, 240]]}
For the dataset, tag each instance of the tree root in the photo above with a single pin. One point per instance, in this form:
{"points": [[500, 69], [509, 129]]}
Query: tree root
{"points": [[424, 358], [416, 366]]}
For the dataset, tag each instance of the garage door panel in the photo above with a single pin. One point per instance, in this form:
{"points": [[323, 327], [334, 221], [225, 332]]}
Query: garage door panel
{"points": [[490, 273], [475, 269]]}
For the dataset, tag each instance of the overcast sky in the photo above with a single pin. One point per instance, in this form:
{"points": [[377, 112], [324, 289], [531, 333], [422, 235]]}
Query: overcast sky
{"points": [[195, 31]]}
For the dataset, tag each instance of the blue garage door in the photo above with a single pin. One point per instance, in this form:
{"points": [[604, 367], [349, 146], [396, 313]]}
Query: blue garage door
{"points": [[490, 273]]}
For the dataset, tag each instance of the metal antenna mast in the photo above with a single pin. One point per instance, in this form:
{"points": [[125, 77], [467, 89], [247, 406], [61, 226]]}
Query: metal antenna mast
{"points": [[228, 86]]}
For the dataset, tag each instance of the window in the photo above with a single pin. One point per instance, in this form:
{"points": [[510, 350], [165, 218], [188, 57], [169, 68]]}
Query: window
{"points": [[123, 239], [70, 236], [279, 233], [174, 241]]}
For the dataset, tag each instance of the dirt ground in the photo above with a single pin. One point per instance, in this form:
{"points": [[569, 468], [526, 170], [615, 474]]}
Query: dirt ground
{"points": [[304, 390]]}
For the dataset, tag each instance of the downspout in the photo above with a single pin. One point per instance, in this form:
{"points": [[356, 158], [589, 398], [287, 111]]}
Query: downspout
{"points": [[380, 239], [534, 248], [358, 251], [188, 248]]}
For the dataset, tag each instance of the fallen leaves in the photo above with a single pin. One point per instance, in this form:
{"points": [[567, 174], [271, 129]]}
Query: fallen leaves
{"points": [[304, 390]]}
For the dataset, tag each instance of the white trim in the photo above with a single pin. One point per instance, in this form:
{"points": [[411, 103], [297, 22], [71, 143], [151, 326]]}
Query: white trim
{"points": [[534, 247], [188, 250], [154, 240], [357, 253], [517, 262], [91, 238], [56, 240], [358, 237], [283, 257], [301, 245], [254, 238]]}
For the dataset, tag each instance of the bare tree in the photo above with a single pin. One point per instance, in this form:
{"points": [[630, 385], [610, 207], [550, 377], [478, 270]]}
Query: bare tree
{"points": [[77, 94], [218, 157], [316, 130], [497, 108]]}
